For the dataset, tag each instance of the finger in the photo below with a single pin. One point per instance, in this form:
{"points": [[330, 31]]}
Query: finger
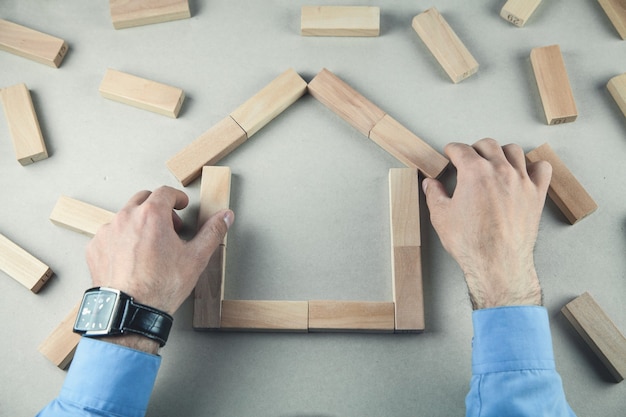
{"points": [[138, 198], [436, 196], [212, 233], [515, 155], [540, 174], [489, 149], [170, 197], [177, 221], [461, 154]]}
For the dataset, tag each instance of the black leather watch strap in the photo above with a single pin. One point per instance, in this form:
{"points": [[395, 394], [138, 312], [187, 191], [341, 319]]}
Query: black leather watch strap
{"points": [[146, 321]]}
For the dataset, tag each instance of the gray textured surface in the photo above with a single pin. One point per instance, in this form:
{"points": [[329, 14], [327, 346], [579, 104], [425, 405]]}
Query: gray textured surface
{"points": [[310, 193]]}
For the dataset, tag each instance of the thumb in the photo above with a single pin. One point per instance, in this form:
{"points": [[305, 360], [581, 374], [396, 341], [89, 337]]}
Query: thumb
{"points": [[212, 233], [436, 194]]}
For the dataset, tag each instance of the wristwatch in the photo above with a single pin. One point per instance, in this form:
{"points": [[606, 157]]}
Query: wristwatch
{"points": [[107, 311]]}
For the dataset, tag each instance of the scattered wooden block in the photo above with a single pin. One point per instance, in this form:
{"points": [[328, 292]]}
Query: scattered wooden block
{"points": [[565, 190], [79, 217], [616, 12], [61, 344], [265, 315], [342, 99], [209, 291], [268, 103], [617, 88], [126, 13], [23, 124], [599, 332], [409, 149], [22, 266], [554, 87], [445, 45], [340, 21], [144, 94], [519, 11], [358, 316], [31, 44], [406, 258]]}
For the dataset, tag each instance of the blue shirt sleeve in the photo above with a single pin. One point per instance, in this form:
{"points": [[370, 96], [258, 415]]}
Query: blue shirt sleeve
{"points": [[106, 379], [513, 371]]}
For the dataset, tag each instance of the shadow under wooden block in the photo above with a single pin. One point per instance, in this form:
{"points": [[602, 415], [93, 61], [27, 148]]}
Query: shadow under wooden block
{"points": [[599, 332], [274, 316], [22, 266], [340, 21], [126, 13], [60, 345], [31, 44], [79, 217], [354, 316]]}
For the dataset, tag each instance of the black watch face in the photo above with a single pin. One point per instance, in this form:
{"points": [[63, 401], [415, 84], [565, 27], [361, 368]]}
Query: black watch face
{"points": [[96, 312]]}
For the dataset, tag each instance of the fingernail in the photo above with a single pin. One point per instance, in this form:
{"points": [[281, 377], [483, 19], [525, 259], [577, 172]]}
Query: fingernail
{"points": [[228, 219], [425, 184]]}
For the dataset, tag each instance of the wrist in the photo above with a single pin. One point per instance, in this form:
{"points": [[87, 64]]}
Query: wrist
{"points": [[134, 341], [503, 291]]}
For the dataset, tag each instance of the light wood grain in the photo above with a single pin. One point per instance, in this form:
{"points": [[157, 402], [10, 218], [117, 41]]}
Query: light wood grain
{"points": [[22, 266], [565, 190], [519, 11], [599, 332], [208, 149], [404, 207], [268, 103], [79, 217], [617, 88], [131, 13], [32, 44], [616, 12], [24, 127], [445, 45], [142, 93], [345, 101], [408, 148], [553, 84], [355, 316], [209, 290], [60, 345], [275, 316], [340, 21]]}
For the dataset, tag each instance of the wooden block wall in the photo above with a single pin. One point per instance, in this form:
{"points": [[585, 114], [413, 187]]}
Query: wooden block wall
{"points": [[519, 11], [78, 216], [126, 14], [340, 21], [60, 345], [22, 266], [31, 44], [359, 316], [274, 316]]}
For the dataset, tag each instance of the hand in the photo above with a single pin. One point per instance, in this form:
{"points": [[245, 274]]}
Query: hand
{"points": [[490, 224]]}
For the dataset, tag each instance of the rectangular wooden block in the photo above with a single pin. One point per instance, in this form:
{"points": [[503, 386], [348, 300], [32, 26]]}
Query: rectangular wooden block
{"points": [[340, 21], [209, 291], [445, 45], [358, 316], [268, 103], [351, 106], [616, 11], [60, 345], [275, 316], [144, 94], [404, 207], [408, 148], [79, 217], [565, 190], [617, 88], [22, 266], [23, 124], [599, 332], [554, 87], [127, 13], [208, 149], [519, 11], [31, 44]]}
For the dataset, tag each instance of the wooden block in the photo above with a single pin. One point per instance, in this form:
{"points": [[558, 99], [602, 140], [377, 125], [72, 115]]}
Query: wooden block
{"points": [[616, 11], [340, 21], [60, 346], [209, 291], [409, 149], [617, 88], [338, 96], [599, 332], [79, 217], [22, 266], [554, 88], [358, 316], [127, 13], [273, 316], [519, 11], [445, 45], [208, 149], [565, 190], [23, 124], [405, 250], [31, 44], [268, 103], [144, 94]]}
